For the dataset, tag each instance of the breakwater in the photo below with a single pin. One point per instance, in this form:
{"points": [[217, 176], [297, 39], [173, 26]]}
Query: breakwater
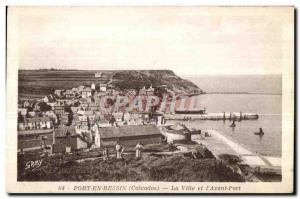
{"points": [[213, 116]]}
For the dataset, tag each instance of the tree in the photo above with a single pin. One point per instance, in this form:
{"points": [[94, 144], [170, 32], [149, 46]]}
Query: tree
{"points": [[45, 107]]}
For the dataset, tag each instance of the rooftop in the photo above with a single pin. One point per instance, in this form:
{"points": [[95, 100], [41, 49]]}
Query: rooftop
{"points": [[35, 132], [37, 119], [127, 131]]}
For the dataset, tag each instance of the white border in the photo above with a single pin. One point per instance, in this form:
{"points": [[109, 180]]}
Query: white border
{"points": [[89, 2]]}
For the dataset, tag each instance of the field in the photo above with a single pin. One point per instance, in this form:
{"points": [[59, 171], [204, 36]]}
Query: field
{"points": [[42, 82], [37, 83]]}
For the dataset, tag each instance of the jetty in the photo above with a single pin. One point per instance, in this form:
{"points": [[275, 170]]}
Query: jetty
{"points": [[213, 116], [219, 144]]}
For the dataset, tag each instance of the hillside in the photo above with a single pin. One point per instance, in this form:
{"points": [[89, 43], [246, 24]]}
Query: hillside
{"points": [[173, 168], [42, 82], [138, 79]]}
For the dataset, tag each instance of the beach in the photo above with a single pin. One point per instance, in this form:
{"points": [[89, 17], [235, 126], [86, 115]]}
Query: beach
{"points": [[219, 144]]}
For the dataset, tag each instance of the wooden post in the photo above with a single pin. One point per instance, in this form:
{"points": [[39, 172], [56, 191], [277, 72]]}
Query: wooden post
{"points": [[53, 136]]}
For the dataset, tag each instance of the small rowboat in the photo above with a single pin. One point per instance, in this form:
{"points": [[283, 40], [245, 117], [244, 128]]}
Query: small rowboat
{"points": [[260, 132], [233, 124]]}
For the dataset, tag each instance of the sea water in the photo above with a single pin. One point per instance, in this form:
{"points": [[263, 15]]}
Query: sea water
{"points": [[264, 98]]}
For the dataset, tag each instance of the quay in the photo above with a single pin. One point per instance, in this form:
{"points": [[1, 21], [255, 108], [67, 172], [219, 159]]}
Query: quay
{"points": [[219, 144], [213, 116]]}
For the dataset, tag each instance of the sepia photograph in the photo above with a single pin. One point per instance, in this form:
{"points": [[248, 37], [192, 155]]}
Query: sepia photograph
{"points": [[150, 99]]}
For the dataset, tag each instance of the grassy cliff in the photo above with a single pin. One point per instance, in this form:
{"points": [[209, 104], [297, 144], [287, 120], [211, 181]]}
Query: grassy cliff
{"points": [[42, 82], [173, 168]]}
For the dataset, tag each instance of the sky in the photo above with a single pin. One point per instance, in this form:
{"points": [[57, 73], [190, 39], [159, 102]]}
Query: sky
{"points": [[187, 40]]}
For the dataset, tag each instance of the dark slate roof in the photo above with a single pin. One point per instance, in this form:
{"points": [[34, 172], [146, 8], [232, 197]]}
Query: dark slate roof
{"points": [[127, 131]]}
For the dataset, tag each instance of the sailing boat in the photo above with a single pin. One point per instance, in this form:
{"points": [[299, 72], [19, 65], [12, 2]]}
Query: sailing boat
{"points": [[233, 124]]}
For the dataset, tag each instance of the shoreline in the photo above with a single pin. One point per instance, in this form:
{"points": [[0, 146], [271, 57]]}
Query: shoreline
{"points": [[234, 145], [250, 158]]}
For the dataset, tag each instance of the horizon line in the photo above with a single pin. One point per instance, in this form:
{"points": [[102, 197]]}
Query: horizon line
{"points": [[181, 74]]}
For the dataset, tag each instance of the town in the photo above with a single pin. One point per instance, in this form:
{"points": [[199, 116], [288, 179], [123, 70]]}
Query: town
{"points": [[78, 118], [103, 121]]}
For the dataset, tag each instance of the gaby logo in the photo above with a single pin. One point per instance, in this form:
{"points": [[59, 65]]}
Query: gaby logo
{"points": [[32, 165]]}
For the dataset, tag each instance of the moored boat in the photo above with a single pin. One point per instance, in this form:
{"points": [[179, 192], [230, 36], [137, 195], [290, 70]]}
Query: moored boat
{"points": [[260, 132]]}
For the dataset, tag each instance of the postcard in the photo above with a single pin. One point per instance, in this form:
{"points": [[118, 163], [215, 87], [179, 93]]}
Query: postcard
{"points": [[150, 99]]}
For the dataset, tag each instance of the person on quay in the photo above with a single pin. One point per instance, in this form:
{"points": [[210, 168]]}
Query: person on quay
{"points": [[118, 150], [138, 150], [105, 154], [122, 151]]}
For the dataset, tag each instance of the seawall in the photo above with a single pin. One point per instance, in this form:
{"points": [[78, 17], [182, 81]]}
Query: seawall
{"points": [[213, 116]]}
